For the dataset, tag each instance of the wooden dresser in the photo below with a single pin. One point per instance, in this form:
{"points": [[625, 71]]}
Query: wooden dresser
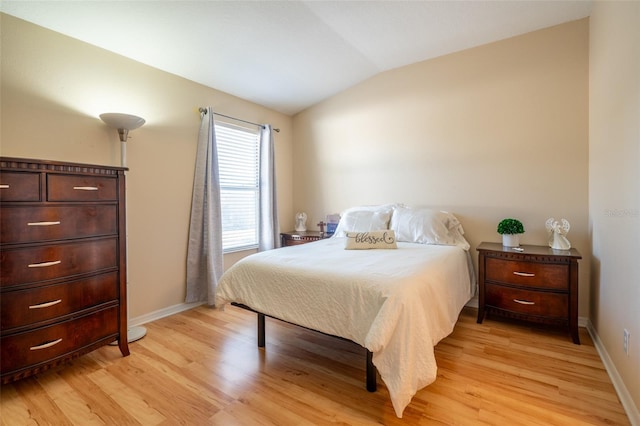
{"points": [[536, 284], [293, 238], [62, 263]]}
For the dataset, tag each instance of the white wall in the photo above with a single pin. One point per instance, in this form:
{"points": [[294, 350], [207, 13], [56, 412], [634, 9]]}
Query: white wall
{"points": [[53, 90], [614, 183], [496, 131]]}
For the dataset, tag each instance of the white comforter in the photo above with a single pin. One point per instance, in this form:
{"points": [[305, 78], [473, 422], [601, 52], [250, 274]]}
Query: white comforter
{"points": [[397, 303]]}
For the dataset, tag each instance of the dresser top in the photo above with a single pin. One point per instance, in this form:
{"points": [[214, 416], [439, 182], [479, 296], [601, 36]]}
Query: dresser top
{"points": [[528, 249], [27, 164]]}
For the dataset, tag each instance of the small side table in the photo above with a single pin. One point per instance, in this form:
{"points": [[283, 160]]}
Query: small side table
{"points": [[537, 284], [293, 238]]}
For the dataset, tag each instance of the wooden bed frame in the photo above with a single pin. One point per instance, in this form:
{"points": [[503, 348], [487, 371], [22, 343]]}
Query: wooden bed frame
{"points": [[371, 372]]}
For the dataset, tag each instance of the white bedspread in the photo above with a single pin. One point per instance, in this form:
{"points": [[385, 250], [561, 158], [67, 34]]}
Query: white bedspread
{"points": [[397, 303]]}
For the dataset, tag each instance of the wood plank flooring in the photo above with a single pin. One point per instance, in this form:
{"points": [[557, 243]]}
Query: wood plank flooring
{"points": [[202, 367]]}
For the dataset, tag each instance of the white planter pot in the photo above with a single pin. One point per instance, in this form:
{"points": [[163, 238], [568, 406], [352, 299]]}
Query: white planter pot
{"points": [[511, 240]]}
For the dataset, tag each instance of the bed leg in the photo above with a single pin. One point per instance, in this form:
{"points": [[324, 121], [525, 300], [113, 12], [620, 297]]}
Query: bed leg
{"points": [[371, 373], [260, 330]]}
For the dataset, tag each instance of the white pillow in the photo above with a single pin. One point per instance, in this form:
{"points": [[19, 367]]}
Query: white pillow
{"points": [[427, 226], [364, 219], [371, 240]]}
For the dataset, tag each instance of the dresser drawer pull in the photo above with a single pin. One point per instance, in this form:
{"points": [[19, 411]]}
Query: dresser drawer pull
{"points": [[44, 264], [45, 345], [524, 274], [45, 304], [524, 302], [86, 188], [43, 223], [3, 186]]}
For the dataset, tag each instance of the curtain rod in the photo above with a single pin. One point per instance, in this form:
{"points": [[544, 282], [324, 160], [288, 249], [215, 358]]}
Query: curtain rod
{"points": [[204, 111]]}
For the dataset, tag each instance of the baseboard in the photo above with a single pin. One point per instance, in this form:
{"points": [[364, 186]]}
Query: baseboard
{"points": [[583, 321], [161, 313], [625, 398]]}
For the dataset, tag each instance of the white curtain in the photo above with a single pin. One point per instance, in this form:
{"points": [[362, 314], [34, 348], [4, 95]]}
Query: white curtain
{"points": [[269, 229], [204, 252]]}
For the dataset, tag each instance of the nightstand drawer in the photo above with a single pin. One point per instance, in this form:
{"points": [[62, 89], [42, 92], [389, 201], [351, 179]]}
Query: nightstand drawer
{"points": [[550, 305], [533, 274], [294, 238], [294, 241]]}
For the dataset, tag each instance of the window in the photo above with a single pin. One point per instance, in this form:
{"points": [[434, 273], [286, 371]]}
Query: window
{"points": [[238, 149]]}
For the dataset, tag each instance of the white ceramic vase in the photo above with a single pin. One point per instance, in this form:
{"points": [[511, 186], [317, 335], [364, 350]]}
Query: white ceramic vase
{"points": [[511, 240]]}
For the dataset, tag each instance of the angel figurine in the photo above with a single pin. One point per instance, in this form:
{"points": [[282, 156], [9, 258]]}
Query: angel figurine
{"points": [[301, 222], [557, 231]]}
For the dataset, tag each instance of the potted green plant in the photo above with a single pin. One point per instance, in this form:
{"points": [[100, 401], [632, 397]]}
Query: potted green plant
{"points": [[510, 229]]}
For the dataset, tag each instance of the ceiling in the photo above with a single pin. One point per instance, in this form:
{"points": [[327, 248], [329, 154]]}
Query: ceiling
{"points": [[289, 55]]}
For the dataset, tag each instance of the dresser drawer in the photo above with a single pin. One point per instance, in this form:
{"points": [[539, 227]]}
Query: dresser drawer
{"points": [[528, 302], [48, 343], [25, 307], [17, 186], [533, 274], [30, 224], [81, 188], [39, 263]]}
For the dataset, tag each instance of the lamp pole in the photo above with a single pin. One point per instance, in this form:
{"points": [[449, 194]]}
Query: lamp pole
{"points": [[124, 123]]}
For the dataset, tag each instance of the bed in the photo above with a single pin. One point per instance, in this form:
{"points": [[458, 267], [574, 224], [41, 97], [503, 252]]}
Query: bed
{"points": [[396, 302]]}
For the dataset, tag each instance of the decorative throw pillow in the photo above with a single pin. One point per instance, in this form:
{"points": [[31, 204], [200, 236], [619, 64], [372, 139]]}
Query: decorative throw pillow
{"points": [[371, 240]]}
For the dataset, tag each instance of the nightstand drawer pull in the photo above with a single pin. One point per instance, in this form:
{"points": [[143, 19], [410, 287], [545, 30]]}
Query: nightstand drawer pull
{"points": [[43, 223], [44, 264], [524, 274], [45, 345], [86, 188], [524, 302], [45, 304], [4, 186]]}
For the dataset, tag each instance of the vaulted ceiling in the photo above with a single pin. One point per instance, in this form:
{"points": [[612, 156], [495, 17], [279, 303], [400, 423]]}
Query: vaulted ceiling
{"points": [[289, 55]]}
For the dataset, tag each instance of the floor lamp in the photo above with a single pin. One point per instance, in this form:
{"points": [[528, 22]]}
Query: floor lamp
{"points": [[124, 123]]}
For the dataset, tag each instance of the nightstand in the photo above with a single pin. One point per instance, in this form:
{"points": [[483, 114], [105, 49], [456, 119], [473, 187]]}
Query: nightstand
{"points": [[293, 238], [537, 284]]}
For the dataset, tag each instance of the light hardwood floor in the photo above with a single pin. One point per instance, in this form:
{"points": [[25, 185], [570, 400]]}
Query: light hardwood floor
{"points": [[203, 367]]}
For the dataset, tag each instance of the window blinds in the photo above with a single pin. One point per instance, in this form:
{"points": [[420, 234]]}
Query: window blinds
{"points": [[239, 185]]}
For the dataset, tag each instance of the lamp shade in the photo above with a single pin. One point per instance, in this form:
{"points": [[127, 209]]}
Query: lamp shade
{"points": [[122, 121]]}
